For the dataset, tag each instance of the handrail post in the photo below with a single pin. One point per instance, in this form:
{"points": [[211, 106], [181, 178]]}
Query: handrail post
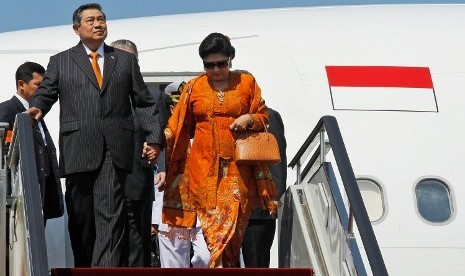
{"points": [[350, 226], [322, 146]]}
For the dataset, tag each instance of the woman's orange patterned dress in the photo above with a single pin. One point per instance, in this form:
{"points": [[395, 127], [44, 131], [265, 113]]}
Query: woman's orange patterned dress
{"points": [[204, 180]]}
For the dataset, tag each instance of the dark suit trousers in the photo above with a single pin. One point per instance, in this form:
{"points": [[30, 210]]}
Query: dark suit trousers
{"points": [[139, 217], [257, 243], [95, 202]]}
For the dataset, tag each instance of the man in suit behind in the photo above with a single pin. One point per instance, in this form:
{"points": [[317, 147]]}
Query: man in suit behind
{"points": [[138, 189], [259, 234], [94, 83], [28, 78]]}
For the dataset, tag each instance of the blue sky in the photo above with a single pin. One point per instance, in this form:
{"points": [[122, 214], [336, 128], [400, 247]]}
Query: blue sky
{"points": [[28, 14]]}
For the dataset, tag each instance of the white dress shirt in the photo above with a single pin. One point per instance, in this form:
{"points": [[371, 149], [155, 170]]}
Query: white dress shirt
{"points": [[26, 106]]}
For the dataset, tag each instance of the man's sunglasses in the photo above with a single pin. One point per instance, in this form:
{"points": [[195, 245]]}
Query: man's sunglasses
{"points": [[219, 64]]}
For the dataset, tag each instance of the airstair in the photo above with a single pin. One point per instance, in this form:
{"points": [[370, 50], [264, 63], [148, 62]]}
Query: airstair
{"points": [[316, 226], [315, 223], [24, 252]]}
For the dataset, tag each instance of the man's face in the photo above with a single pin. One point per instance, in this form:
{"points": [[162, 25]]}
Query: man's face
{"points": [[93, 27], [27, 90]]}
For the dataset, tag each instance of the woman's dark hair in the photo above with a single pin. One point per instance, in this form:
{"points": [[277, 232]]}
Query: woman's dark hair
{"points": [[216, 43]]}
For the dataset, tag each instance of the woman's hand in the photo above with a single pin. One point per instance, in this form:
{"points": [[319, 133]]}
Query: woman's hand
{"points": [[242, 122]]}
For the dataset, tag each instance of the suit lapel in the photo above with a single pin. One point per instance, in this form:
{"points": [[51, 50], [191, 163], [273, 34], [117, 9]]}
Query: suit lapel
{"points": [[18, 105], [79, 56], [35, 129], [109, 64]]}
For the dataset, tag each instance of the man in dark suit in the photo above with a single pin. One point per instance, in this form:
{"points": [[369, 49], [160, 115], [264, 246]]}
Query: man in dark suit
{"points": [[28, 78], [139, 186], [94, 83], [259, 234]]}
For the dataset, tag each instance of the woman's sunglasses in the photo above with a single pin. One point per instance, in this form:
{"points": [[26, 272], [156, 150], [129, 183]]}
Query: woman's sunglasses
{"points": [[219, 64]]}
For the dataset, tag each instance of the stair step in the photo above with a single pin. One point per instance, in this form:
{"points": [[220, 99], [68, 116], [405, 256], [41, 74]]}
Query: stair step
{"points": [[179, 271]]}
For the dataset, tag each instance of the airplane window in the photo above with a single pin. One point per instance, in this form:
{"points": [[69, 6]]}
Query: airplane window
{"points": [[372, 195], [433, 200]]}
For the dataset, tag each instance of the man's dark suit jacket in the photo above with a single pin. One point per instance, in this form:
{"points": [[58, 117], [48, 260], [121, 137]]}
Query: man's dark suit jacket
{"points": [[139, 184], [90, 117], [279, 171], [50, 187]]}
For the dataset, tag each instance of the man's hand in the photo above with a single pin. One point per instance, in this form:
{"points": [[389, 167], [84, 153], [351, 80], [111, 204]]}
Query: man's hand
{"points": [[35, 113], [160, 180], [151, 152]]}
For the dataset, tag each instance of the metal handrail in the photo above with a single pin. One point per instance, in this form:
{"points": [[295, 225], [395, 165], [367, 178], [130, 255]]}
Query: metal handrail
{"points": [[22, 155], [3, 193], [357, 207]]}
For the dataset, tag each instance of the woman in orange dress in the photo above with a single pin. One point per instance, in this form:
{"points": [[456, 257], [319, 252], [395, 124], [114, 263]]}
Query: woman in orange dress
{"points": [[203, 180]]}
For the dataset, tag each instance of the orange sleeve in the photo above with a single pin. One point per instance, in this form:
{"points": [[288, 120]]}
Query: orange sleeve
{"points": [[258, 109]]}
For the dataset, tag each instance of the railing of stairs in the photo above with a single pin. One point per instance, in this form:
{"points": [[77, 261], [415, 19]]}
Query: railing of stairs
{"points": [[3, 192], [26, 245], [328, 127]]}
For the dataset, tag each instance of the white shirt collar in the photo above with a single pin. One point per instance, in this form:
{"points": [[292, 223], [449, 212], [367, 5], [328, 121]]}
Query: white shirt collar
{"points": [[99, 50], [26, 105], [23, 101]]}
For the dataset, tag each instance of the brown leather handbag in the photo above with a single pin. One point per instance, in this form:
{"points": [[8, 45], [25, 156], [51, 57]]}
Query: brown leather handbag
{"points": [[256, 148]]}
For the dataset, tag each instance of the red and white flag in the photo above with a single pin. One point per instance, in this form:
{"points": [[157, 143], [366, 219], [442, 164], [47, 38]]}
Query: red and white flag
{"points": [[388, 88]]}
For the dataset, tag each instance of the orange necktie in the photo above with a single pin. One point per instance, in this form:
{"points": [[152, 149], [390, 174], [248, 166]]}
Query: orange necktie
{"points": [[96, 68]]}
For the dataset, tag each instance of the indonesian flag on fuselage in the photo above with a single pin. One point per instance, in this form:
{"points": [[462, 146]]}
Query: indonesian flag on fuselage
{"points": [[387, 88]]}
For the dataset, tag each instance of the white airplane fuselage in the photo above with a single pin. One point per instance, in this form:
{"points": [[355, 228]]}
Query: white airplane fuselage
{"points": [[287, 50]]}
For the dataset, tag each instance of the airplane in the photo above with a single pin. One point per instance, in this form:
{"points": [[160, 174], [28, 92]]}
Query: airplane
{"points": [[392, 76]]}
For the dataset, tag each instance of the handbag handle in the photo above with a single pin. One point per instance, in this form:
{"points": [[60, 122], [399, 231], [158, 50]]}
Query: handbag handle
{"points": [[263, 122]]}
